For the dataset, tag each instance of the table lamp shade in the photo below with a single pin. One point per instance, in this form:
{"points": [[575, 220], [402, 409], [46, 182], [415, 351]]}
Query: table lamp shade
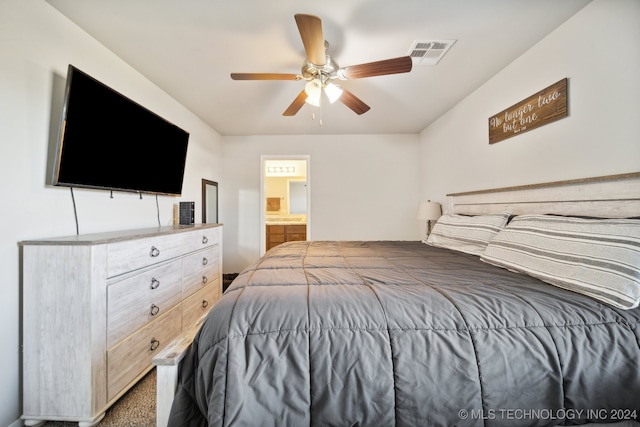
{"points": [[429, 211]]}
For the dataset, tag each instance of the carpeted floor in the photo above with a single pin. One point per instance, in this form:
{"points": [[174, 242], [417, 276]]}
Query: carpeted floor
{"points": [[137, 408]]}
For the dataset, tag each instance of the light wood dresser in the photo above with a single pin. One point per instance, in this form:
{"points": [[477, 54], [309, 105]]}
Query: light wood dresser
{"points": [[97, 308]]}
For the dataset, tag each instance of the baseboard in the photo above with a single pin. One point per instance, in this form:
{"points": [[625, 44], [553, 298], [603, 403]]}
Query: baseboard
{"points": [[16, 423]]}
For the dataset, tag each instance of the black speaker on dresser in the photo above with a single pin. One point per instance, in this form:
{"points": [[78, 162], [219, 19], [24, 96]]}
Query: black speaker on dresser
{"points": [[187, 213]]}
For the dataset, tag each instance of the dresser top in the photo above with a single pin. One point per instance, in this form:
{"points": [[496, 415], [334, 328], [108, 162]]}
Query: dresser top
{"points": [[117, 236]]}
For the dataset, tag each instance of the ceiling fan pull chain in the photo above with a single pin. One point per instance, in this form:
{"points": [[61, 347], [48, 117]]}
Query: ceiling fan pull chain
{"points": [[313, 117]]}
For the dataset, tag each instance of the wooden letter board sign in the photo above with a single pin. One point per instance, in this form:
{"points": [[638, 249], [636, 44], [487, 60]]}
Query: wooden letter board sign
{"points": [[546, 106]]}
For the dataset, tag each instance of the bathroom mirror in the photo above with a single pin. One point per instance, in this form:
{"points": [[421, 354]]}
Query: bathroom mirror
{"points": [[297, 197], [209, 201]]}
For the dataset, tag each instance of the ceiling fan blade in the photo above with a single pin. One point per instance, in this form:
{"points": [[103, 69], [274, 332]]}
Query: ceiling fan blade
{"points": [[264, 76], [353, 102], [402, 64], [310, 28], [296, 105]]}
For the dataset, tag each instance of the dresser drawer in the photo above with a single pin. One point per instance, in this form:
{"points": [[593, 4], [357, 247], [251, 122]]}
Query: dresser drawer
{"points": [[295, 232], [296, 237], [131, 255], [200, 239], [199, 304], [133, 356], [275, 229], [200, 269], [137, 300], [296, 229]]}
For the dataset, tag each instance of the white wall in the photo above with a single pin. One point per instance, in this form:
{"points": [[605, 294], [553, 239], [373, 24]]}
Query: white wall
{"points": [[36, 45], [363, 187], [598, 49]]}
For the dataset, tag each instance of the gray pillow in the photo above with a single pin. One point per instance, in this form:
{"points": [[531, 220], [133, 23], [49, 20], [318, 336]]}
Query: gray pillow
{"points": [[469, 234]]}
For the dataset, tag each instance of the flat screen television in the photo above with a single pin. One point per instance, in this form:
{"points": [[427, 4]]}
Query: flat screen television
{"points": [[109, 142]]}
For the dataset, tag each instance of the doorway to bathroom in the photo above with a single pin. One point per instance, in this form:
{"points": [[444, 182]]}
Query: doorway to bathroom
{"points": [[285, 195]]}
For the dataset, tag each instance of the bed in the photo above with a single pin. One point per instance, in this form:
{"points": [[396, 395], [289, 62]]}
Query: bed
{"points": [[459, 331]]}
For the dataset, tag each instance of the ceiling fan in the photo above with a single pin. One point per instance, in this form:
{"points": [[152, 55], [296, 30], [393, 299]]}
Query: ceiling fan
{"points": [[320, 71]]}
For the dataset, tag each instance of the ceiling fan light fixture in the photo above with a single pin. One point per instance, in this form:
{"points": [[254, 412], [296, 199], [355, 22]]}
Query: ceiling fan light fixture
{"points": [[313, 90], [319, 70], [333, 91]]}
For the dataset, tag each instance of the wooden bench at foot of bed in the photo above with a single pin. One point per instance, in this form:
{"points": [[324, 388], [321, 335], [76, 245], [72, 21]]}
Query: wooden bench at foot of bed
{"points": [[167, 363]]}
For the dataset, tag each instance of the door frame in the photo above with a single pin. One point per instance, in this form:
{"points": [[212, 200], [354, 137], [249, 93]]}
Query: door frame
{"points": [[263, 198]]}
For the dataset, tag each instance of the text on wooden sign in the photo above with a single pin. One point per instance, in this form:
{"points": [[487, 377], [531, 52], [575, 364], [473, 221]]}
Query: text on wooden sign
{"points": [[546, 106]]}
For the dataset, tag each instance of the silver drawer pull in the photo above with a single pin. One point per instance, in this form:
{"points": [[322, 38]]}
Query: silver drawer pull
{"points": [[154, 344], [205, 261], [154, 283], [204, 279], [205, 240], [154, 252], [154, 309], [205, 303]]}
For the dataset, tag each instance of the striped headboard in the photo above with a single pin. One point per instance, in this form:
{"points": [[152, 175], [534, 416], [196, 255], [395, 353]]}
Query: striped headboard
{"points": [[612, 196]]}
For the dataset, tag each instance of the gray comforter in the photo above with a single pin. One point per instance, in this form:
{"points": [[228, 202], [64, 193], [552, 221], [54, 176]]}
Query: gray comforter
{"points": [[404, 334]]}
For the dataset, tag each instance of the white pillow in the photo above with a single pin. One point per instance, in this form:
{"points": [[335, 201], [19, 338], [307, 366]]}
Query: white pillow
{"points": [[469, 234], [596, 257]]}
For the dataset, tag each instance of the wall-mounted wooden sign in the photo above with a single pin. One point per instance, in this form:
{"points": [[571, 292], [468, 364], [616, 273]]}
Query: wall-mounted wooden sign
{"points": [[546, 106]]}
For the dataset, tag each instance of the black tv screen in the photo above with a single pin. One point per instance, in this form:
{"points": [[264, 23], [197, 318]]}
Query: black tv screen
{"points": [[107, 141]]}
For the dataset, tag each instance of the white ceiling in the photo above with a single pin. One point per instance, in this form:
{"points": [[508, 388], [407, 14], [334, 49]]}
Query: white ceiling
{"points": [[189, 47]]}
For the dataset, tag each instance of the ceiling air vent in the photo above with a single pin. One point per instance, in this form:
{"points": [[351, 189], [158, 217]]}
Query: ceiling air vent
{"points": [[429, 52]]}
